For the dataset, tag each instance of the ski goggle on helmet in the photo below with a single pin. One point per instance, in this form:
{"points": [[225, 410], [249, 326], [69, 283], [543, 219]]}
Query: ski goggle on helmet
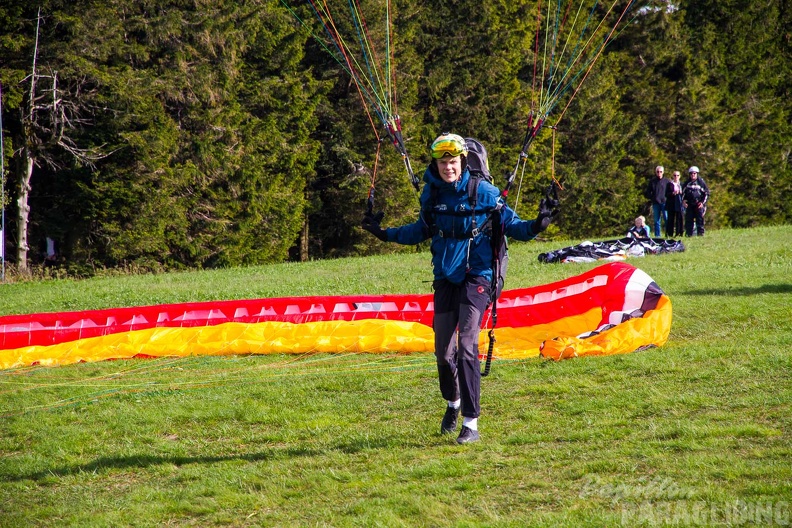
{"points": [[449, 145]]}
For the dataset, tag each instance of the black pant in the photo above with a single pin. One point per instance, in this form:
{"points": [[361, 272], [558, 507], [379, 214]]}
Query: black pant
{"points": [[694, 213], [459, 309], [674, 225]]}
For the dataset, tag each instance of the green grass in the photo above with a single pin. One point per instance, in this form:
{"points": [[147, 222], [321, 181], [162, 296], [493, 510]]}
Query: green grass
{"points": [[350, 440]]}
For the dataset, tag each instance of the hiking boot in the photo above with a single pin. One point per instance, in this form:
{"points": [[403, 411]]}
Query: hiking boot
{"points": [[467, 435], [449, 423]]}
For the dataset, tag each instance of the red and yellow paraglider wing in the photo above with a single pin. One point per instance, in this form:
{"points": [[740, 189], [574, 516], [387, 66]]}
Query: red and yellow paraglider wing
{"points": [[612, 309]]}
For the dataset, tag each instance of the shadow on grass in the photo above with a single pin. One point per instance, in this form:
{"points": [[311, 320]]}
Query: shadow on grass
{"points": [[144, 461], [351, 446], [765, 288]]}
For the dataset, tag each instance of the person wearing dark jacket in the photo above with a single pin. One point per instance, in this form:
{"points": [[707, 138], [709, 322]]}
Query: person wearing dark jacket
{"points": [[656, 192], [674, 209], [462, 259], [639, 229], [695, 194]]}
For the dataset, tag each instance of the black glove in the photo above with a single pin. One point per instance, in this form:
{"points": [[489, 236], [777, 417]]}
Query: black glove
{"points": [[371, 223], [545, 216]]}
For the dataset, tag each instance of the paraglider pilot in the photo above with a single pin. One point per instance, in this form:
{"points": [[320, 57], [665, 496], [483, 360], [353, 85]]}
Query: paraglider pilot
{"points": [[462, 258], [694, 195]]}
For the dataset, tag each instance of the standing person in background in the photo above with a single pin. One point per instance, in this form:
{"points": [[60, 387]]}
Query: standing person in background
{"points": [[656, 192], [695, 194], [462, 259], [674, 222]]}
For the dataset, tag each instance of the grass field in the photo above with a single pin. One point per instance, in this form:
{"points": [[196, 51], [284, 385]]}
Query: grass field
{"points": [[698, 432]]}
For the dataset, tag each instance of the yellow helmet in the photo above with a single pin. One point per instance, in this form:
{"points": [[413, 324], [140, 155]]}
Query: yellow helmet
{"points": [[448, 145]]}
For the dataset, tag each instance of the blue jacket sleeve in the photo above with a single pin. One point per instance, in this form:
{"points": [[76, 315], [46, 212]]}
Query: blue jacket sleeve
{"points": [[409, 234], [418, 231], [516, 228]]}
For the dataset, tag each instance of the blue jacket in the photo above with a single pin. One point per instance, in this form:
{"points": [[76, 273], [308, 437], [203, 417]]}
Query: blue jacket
{"points": [[453, 258], [642, 232]]}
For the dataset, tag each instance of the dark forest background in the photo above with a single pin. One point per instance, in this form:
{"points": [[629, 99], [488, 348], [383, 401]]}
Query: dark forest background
{"points": [[194, 134]]}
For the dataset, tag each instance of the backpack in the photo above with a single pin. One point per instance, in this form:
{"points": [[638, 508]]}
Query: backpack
{"points": [[478, 165], [477, 160]]}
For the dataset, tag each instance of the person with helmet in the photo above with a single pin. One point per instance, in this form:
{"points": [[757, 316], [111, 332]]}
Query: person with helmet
{"points": [[695, 194], [462, 258]]}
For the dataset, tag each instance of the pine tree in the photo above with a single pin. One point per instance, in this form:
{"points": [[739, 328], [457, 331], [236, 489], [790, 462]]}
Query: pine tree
{"points": [[210, 116]]}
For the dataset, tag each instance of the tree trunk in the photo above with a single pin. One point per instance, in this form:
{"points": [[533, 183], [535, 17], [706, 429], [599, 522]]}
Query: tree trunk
{"points": [[24, 181], [304, 241], [24, 211]]}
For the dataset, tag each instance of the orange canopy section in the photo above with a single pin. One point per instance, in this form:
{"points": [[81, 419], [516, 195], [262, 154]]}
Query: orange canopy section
{"points": [[612, 309]]}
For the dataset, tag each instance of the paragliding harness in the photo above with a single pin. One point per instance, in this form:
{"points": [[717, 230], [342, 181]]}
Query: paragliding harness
{"points": [[478, 166]]}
